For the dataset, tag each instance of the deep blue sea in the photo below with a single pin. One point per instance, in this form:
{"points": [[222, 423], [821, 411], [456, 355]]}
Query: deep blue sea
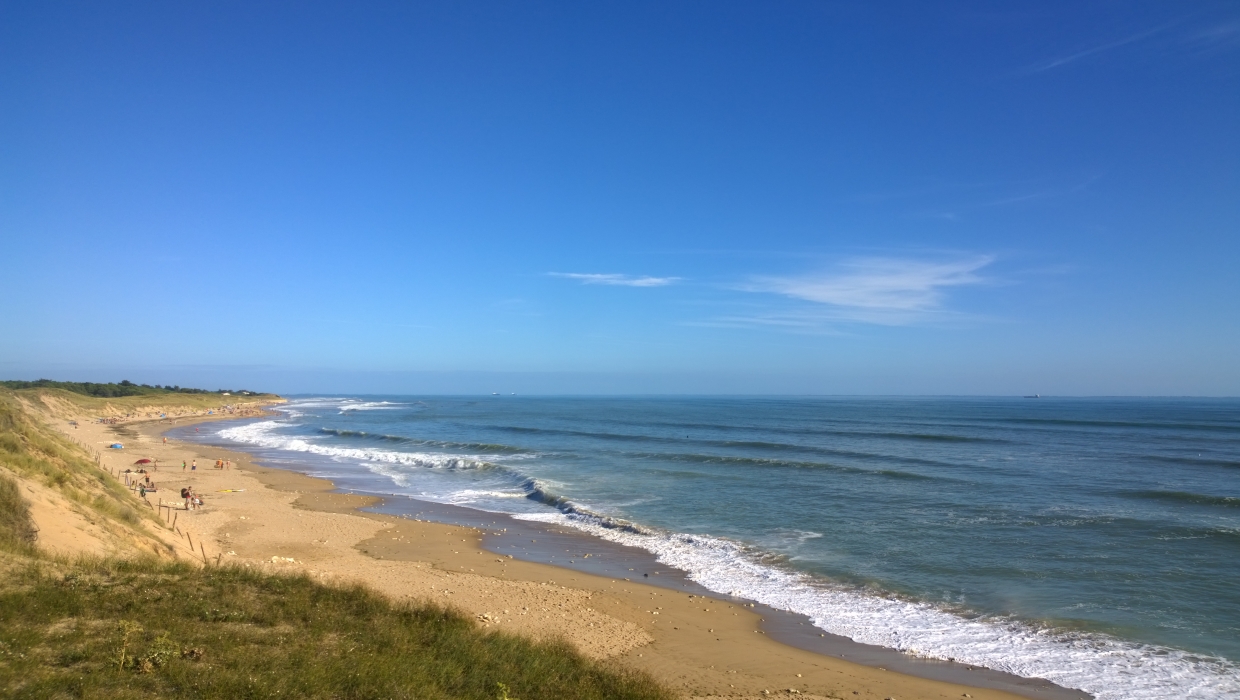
{"points": [[1092, 542]]}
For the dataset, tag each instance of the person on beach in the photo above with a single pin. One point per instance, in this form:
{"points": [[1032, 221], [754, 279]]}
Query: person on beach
{"points": [[194, 466], [183, 465]]}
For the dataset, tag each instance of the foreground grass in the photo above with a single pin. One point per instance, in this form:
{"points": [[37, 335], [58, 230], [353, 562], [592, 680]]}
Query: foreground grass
{"points": [[145, 629]]}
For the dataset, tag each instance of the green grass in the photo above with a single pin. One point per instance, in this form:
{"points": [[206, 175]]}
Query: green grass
{"points": [[142, 629]]}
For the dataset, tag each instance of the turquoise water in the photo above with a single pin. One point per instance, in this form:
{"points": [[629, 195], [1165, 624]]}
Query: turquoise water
{"points": [[1092, 542]]}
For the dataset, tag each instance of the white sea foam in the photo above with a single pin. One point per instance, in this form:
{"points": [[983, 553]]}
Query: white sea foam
{"points": [[473, 495], [1109, 668], [370, 406], [262, 434]]}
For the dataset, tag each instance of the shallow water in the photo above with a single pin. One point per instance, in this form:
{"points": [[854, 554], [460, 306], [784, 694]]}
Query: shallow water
{"points": [[1092, 542]]}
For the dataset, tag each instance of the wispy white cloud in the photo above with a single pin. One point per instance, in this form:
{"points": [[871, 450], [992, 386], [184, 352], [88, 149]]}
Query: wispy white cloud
{"points": [[1186, 35], [805, 322], [1065, 60], [1219, 36], [616, 280], [889, 291], [1059, 191]]}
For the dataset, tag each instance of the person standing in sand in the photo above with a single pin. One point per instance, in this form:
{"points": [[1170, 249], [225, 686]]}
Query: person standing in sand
{"points": [[194, 466], [183, 465]]}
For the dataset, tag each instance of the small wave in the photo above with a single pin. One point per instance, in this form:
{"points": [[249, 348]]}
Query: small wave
{"points": [[793, 464], [1193, 461], [623, 437], [920, 437], [1187, 497], [1145, 425], [473, 495], [830, 452], [785, 536], [930, 437], [630, 437], [481, 446], [1229, 535], [908, 476], [539, 491], [370, 406], [823, 431]]}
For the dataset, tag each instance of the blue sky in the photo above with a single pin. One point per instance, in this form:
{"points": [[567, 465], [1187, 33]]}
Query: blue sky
{"points": [[717, 197]]}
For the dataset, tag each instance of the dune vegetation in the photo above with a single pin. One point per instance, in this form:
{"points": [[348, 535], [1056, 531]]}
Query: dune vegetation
{"points": [[115, 389]]}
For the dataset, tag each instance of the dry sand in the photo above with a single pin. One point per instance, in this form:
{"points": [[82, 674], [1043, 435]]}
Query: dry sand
{"points": [[280, 520]]}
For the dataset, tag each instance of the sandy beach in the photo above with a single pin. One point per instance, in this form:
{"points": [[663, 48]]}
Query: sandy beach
{"points": [[277, 519]]}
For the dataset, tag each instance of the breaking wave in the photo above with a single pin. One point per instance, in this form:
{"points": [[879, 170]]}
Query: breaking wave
{"points": [[262, 434], [1109, 668], [1199, 499]]}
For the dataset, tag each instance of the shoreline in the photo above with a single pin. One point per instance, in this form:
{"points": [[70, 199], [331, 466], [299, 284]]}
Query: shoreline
{"points": [[610, 559], [726, 659]]}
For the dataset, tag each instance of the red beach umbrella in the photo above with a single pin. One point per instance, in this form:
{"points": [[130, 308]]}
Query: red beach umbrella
{"points": [[143, 461]]}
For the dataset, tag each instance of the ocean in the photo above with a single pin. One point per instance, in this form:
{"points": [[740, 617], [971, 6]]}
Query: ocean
{"points": [[1091, 542]]}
